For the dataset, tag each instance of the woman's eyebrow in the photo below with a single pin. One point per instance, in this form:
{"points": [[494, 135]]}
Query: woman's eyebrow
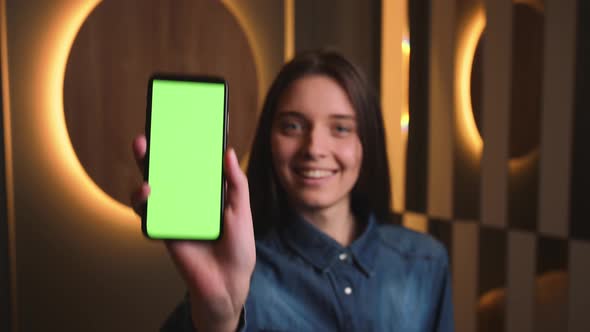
{"points": [[298, 115], [343, 116], [295, 114]]}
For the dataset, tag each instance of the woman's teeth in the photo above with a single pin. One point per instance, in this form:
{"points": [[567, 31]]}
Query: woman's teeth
{"points": [[316, 174]]}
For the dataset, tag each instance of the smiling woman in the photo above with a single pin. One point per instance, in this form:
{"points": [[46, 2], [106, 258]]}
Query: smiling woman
{"points": [[328, 257], [317, 153], [343, 92]]}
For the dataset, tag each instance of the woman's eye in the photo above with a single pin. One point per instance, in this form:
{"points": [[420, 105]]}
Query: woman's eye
{"points": [[291, 127], [342, 130]]}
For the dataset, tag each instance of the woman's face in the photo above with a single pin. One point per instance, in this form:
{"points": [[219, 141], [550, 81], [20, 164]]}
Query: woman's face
{"points": [[316, 150]]}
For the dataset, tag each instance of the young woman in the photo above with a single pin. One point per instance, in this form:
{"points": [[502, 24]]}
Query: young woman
{"points": [[326, 256]]}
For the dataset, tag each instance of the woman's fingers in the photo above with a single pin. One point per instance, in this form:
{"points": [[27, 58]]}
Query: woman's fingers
{"points": [[238, 195], [139, 197], [238, 229], [139, 146]]}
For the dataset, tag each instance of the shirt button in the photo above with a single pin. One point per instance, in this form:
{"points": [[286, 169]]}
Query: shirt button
{"points": [[343, 256], [347, 290]]}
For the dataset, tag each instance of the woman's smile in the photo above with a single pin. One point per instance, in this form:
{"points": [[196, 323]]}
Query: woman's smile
{"points": [[314, 173]]}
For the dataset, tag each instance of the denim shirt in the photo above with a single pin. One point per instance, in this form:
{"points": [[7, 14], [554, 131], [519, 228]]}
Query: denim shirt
{"points": [[388, 279]]}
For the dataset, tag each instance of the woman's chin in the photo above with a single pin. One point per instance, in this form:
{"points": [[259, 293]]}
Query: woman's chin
{"points": [[313, 203]]}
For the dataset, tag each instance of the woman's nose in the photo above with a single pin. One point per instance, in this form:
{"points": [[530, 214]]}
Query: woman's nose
{"points": [[315, 144]]}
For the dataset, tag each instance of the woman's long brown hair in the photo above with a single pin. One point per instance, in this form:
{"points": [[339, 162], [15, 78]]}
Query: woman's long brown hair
{"points": [[371, 193]]}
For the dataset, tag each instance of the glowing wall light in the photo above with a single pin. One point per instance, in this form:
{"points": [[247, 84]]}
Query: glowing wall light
{"points": [[406, 46], [415, 221], [51, 123], [259, 59], [466, 46], [8, 169], [405, 114], [405, 122], [395, 51], [289, 15]]}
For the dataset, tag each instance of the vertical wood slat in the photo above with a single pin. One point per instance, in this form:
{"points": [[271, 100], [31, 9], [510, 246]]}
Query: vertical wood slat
{"points": [[5, 269], [394, 17], [415, 221], [550, 306], [417, 157], [580, 177], [351, 27], [440, 149], [579, 291], [557, 116], [465, 263], [492, 278], [289, 38], [5, 291], [521, 282], [496, 112], [8, 305]]}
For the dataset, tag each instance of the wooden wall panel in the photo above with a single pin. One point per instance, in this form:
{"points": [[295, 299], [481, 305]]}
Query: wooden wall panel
{"points": [[79, 253], [351, 27], [557, 117], [497, 66], [5, 270], [120, 44], [442, 105]]}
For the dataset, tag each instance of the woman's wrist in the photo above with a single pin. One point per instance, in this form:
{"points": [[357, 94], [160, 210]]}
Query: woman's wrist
{"points": [[211, 320], [230, 325]]}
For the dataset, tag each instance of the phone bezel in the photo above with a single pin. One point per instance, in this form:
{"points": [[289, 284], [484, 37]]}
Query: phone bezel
{"points": [[184, 78]]}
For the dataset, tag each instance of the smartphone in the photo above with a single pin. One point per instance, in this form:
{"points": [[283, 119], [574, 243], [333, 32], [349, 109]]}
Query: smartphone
{"points": [[186, 130]]}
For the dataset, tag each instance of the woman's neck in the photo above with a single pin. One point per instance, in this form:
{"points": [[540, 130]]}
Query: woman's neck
{"points": [[336, 222]]}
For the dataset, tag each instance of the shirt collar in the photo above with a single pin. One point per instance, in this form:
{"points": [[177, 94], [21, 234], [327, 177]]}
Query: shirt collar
{"points": [[322, 251], [364, 248]]}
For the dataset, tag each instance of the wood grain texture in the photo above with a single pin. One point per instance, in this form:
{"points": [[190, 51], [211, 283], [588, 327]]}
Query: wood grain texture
{"points": [[118, 47]]}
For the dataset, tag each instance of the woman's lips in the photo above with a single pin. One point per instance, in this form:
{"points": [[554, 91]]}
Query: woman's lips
{"points": [[314, 175]]}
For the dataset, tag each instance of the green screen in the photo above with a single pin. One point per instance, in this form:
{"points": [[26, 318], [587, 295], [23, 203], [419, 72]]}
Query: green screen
{"points": [[185, 160]]}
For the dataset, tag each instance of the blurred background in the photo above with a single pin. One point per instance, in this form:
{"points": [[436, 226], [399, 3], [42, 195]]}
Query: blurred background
{"points": [[485, 104]]}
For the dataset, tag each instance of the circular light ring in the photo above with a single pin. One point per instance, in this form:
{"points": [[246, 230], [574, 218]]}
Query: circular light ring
{"points": [[466, 47], [467, 44], [259, 59], [56, 124]]}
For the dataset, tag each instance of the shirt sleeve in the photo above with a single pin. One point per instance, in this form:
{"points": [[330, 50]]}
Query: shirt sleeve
{"points": [[445, 319], [180, 319]]}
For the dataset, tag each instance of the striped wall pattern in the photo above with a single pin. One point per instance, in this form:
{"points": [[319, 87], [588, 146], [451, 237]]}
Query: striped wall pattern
{"points": [[516, 227]]}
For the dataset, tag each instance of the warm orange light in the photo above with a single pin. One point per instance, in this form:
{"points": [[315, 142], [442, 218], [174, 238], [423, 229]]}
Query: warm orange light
{"points": [[259, 60], [405, 121], [289, 29], [467, 44], [394, 92], [8, 170], [526, 162], [52, 121], [415, 221], [406, 47], [262, 73], [405, 114]]}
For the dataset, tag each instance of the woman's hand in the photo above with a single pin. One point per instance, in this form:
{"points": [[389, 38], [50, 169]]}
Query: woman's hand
{"points": [[218, 273]]}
